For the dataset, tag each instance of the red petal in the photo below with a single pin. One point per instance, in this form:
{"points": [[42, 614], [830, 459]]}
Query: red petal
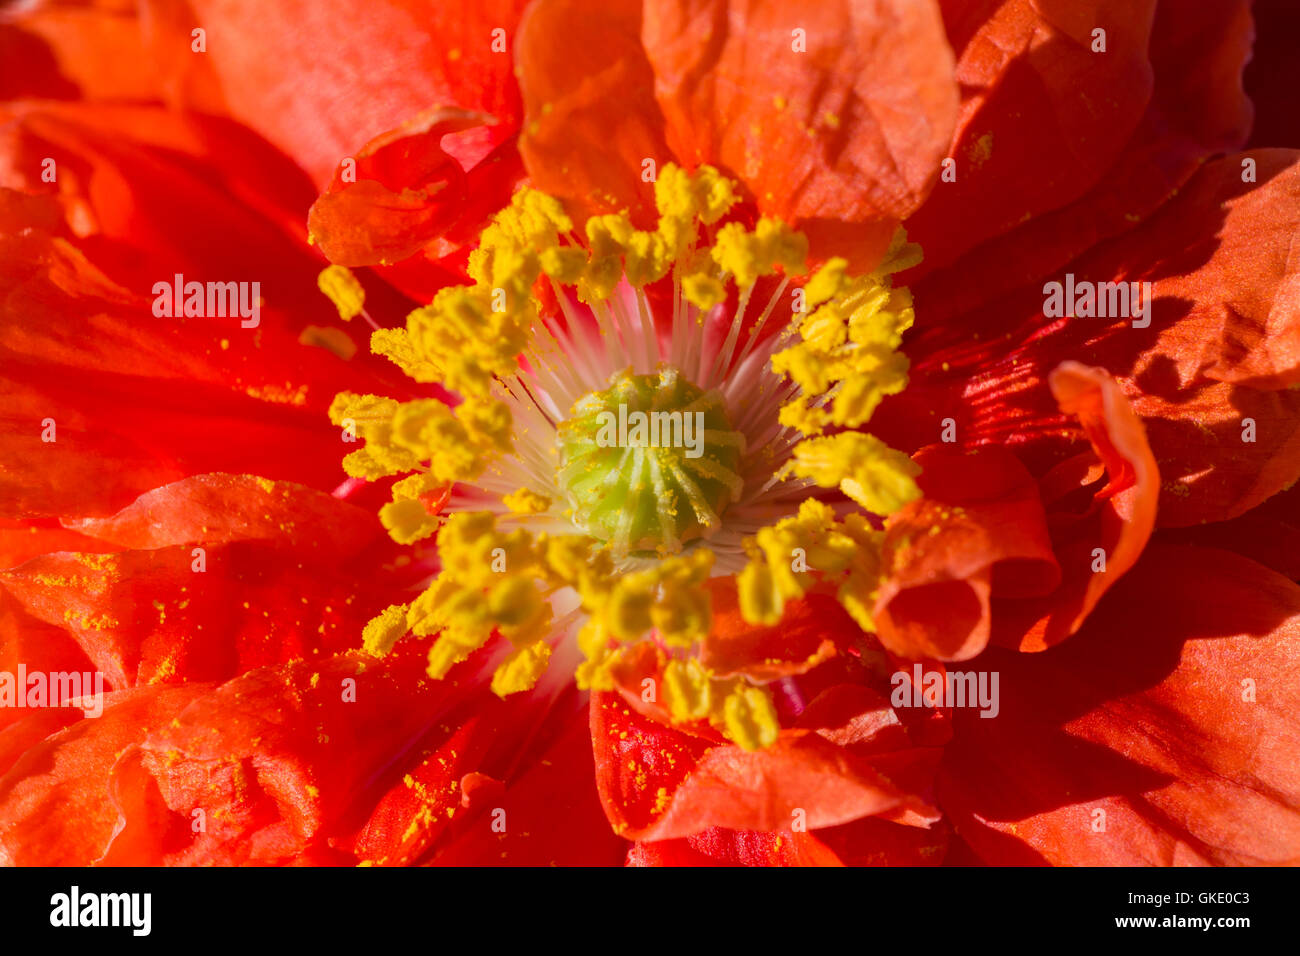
{"points": [[719, 847], [403, 192], [224, 508], [1268, 533], [1144, 715], [549, 812], [589, 99], [21, 540], [101, 49], [52, 800], [980, 531], [1197, 110], [39, 648], [126, 390], [866, 842], [1042, 115], [271, 589], [1273, 74], [658, 782], [809, 633], [142, 177], [835, 119], [274, 758], [316, 83], [1114, 529]]}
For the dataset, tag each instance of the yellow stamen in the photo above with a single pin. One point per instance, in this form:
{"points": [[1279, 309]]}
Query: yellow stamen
{"points": [[841, 357], [526, 502], [342, 288]]}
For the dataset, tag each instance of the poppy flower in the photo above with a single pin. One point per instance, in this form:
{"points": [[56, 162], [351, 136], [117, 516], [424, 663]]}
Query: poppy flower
{"points": [[423, 595]]}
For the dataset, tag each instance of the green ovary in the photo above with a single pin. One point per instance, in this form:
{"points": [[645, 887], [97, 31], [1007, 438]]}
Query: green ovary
{"points": [[650, 463]]}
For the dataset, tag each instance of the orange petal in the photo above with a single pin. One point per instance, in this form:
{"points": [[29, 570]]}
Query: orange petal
{"points": [[105, 50], [404, 191], [1224, 342], [1220, 348], [591, 117], [979, 531], [1162, 734], [53, 801], [1197, 110], [267, 588], [657, 782], [1042, 115], [834, 117], [1097, 547], [810, 632], [315, 81]]}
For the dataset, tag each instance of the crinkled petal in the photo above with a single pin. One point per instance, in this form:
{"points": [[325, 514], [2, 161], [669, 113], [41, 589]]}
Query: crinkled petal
{"points": [[658, 782], [1163, 733], [1197, 110], [979, 532], [223, 574], [316, 83], [404, 191], [1042, 117], [591, 116], [835, 116]]}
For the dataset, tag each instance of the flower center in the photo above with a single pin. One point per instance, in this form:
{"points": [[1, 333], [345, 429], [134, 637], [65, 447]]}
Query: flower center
{"points": [[650, 462], [550, 525]]}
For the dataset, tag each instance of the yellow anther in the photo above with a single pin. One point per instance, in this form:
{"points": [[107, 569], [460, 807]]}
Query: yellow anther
{"points": [[569, 556], [343, 289], [628, 612], [395, 345], [686, 690], [522, 669], [682, 614], [450, 649], [415, 424], [749, 255], [609, 235], [714, 194], [760, 601], [750, 718], [383, 631], [601, 279], [862, 466], [900, 255], [674, 196], [487, 422], [737, 251], [647, 259], [564, 264], [824, 330], [526, 502], [514, 601], [413, 486], [781, 246], [703, 290], [705, 194], [825, 283], [407, 520], [361, 412]]}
